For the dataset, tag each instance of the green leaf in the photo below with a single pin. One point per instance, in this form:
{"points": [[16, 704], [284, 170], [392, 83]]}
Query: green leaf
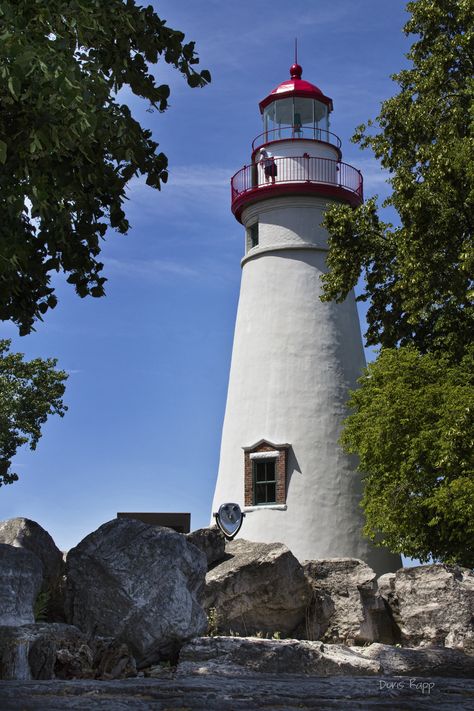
{"points": [[14, 86]]}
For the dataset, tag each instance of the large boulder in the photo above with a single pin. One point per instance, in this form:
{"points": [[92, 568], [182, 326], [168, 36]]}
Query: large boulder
{"points": [[210, 541], [24, 533], [140, 584], [346, 605], [21, 575], [259, 588], [432, 605]]}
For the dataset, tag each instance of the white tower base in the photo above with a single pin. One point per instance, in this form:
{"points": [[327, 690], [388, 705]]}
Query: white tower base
{"points": [[294, 360]]}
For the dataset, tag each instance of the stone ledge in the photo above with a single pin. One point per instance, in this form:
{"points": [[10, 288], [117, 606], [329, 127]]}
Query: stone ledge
{"points": [[237, 656]]}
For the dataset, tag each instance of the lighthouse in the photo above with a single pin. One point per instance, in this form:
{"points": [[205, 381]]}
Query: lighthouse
{"points": [[294, 358]]}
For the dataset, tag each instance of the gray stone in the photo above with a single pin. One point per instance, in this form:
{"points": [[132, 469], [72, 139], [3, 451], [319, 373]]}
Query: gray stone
{"points": [[422, 661], [346, 605], [259, 588], [112, 659], [432, 605], [21, 575], [60, 651], [386, 585], [231, 656], [210, 541], [44, 651], [24, 533], [140, 584], [234, 656], [213, 692]]}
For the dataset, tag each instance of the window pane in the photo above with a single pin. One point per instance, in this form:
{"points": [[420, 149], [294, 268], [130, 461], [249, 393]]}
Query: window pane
{"points": [[264, 477], [269, 117], [253, 233], [260, 471], [303, 111], [284, 112], [321, 115], [271, 493], [261, 494], [270, 470]]}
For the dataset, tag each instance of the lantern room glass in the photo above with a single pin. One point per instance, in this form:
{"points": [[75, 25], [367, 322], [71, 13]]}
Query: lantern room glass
{"points": [[295, 117]]}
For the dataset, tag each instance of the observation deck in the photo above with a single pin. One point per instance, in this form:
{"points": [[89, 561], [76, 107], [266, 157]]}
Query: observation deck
{"points": [[295, 174]]}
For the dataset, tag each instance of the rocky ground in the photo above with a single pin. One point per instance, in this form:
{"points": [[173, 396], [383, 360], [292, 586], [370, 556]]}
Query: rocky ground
{"points": [[142, 617], [244, 693]]}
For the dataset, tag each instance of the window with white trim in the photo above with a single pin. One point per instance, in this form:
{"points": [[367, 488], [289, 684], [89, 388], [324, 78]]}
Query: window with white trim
{"points": [[265, 474]]}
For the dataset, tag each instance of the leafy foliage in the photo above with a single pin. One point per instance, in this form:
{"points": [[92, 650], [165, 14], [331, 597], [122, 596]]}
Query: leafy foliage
{"points": [[413, 429], [67, 146], [41, 606], [412, 421], [418, 277], [30, 391]]}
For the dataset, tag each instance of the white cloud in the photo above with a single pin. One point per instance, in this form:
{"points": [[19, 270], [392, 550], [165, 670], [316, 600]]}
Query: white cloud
{"points": [[151, 269], [190, 190], [201, 177]]}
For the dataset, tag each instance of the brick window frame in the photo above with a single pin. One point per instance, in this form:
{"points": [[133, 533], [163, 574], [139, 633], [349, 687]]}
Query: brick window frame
{"points": [[265, 449]]}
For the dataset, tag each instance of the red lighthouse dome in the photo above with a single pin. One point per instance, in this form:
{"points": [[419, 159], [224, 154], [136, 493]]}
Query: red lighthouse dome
{"points": [[296, 86]]}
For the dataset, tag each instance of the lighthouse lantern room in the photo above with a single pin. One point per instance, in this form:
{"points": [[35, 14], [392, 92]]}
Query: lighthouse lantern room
{"points": [[294, 357]]}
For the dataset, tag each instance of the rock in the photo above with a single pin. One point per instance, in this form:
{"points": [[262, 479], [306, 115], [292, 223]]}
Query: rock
{"points": [[214, 692], [44, 651], [112, 659], [24, 533], [159, 671], [140, 584], [230, 656], [432, 605], [60, 651], [237, 656], [386, 585], [423, 661], [21, 575], [346, 605], [210, 541], [259, 588]]}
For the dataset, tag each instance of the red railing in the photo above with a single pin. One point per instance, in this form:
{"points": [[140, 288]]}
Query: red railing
{"points": [[297, 169], [289, 133]]}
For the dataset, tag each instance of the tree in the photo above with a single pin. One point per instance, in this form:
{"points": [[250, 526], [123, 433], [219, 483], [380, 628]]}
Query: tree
{"points": [[413, 429], [30, 391], [412, 423], [418, 276], [68, 147]]}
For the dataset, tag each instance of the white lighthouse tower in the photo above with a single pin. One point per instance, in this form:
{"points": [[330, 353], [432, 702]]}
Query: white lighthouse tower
{"points": [[294, 358]]}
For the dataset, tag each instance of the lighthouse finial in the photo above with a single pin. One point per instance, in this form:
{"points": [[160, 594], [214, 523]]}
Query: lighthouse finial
{"points": [[296, 70]]}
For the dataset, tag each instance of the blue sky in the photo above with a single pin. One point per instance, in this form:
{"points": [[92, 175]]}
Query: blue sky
{"points": [[149, 363]]}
